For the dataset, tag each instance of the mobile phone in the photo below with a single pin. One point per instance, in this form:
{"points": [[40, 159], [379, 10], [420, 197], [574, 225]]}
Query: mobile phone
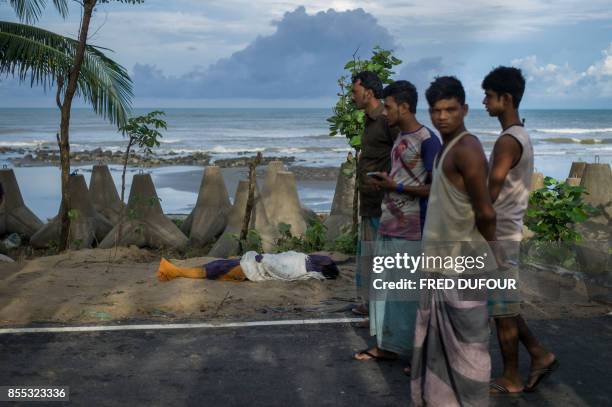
{"points": [[375, 175]]}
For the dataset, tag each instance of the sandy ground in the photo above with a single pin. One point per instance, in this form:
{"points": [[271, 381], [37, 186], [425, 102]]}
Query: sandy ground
{"points": [[101, 285], [96, 286]]}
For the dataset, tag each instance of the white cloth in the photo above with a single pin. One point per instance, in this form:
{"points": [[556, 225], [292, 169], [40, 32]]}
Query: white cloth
{"points": [[513, 198], [287, 266]]}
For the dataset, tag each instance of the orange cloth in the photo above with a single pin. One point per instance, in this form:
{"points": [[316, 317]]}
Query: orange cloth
{"points": [[235, 274]]}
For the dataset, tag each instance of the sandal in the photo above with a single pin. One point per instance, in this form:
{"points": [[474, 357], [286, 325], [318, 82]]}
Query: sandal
{"points": [[496, 389], [542, 374]]}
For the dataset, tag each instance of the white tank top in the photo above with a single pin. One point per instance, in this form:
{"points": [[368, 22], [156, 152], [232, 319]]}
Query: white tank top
{"points": [[513, 198], [450, 216], [450, 225]]}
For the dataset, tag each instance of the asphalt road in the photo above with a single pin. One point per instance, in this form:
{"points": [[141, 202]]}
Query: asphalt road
{"points": [[301, 365]]}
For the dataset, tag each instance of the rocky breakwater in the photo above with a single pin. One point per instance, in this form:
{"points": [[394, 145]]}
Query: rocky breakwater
{"points": [[45, 157]]}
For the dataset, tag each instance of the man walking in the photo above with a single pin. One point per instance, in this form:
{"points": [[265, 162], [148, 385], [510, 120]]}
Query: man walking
{"points": [[511, 168], [451, 365]]}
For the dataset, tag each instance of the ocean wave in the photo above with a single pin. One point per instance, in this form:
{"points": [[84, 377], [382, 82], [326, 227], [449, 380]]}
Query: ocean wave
{"points": [[231, 150], [577, 130], [18, 144], [546, 152], [290, 150], [170, 140], [325, 136], [574, 140]]}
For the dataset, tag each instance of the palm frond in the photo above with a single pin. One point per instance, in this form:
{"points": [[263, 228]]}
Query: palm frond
{"points": [[42, 56], [31, 10]]}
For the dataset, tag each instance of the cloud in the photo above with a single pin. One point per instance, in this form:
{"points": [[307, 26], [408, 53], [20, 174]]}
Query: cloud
{"points": [[301, 59], [422, 71], [564, 81]]}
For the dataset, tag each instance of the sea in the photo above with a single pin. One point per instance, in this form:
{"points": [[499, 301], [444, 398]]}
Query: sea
{"points": [[559, 136]]}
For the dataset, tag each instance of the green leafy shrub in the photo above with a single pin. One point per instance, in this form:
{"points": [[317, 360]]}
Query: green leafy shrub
{"points": [[345, 243], [552, 215], [313, 240], [554, 211], [252, 242]]}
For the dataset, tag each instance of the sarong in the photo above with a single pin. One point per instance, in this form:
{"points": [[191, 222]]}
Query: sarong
{"points": [[451, 365], [392, 320]]}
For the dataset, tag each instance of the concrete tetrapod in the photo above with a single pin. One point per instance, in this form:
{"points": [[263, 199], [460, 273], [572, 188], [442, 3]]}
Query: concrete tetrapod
{"points": [[145, 224], [227, 244], [341, 215], [87, 226], [208, 218], [104, 194], [594, 253], [270, 179], [283, 203], [15, 217], [597, 181], [577, 169], [537, 181]]}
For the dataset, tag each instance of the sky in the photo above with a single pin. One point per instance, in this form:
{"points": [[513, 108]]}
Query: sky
{"points": [[286, 53]]}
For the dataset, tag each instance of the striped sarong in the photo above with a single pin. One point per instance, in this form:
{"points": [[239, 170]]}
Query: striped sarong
{"points": [[451, 365]]}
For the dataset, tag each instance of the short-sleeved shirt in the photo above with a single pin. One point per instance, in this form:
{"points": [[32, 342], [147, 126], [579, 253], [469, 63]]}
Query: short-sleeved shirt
{"points": [[375, 156], [412, 158]]}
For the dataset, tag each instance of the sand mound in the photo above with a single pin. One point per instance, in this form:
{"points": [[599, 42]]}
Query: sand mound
{"points": [[87, 287]]}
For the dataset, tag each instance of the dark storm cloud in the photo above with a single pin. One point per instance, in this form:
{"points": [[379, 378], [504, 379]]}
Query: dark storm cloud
{"points": [[422, 72], [302, 59]]}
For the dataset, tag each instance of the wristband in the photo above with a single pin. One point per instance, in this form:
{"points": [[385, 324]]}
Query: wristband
{"points": [[399, 188]]}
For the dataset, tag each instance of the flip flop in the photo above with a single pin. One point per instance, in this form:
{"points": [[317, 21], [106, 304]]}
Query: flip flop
{"points": [[501, 390], [542, 374], [372, 356]]}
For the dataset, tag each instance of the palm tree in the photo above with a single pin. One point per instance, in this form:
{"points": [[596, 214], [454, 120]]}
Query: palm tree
{"points": [[72, 66]]}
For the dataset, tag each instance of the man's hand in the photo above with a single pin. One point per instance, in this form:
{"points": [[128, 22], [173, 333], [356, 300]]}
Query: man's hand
{"points": [[386, 182]]}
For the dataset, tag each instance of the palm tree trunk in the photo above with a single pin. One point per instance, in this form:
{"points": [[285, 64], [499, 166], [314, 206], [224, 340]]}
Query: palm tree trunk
{"points": [[64, 143]]}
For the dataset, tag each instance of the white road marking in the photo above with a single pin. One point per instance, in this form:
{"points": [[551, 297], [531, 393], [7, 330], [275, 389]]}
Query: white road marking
{"points": [[203, 325]]}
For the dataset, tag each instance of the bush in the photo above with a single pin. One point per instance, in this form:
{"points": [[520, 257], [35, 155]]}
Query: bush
{"points": [[345, 243], [251, 243], [554, 211], [313, 240]]}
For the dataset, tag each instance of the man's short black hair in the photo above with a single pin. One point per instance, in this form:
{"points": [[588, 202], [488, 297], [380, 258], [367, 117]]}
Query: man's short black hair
{"points": [[369, 80], [445, 87], [506, 79], [403, 92]]}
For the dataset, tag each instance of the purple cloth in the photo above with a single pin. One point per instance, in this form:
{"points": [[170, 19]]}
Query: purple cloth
{"points": [[322, 264], [217, 268]]}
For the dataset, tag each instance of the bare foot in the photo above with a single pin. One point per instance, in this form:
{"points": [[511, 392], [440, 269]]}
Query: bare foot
{"points": [[510, 386], [538, 364], [375, 353], [167, 271]]}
